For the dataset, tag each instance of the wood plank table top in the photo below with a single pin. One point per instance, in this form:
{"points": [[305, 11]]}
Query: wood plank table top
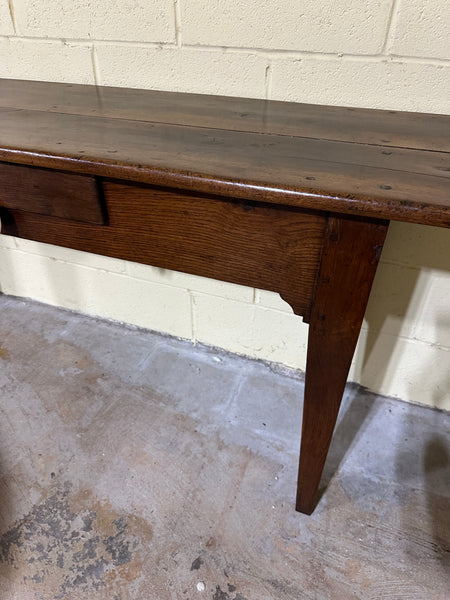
{"points": [[385, 164]]}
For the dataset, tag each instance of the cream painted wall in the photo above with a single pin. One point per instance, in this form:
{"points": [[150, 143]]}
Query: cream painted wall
{"points": [[392, 54]]}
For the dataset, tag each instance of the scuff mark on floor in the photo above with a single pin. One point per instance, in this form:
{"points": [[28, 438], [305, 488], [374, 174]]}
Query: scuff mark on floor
{"points": [[74, 542], [197, 563], [222, 595]]}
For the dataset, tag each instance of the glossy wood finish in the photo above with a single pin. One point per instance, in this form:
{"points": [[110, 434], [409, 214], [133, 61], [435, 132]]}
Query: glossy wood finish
{"points": [[358, 125], [286, 197], [351, 250], [383, 179], [50, 192]]}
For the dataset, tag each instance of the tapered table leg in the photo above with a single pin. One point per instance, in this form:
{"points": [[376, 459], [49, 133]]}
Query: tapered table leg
{"points": [[350, 256]]}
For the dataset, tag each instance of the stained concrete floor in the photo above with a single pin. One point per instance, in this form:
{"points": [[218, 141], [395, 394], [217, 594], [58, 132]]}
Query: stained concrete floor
{"points": [[135, 466]]}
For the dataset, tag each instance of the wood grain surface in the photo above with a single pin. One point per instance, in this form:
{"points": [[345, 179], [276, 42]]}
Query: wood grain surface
{"points": [[297, 158], [49, 192], [241, 242], [351, 251], [361, 125]]}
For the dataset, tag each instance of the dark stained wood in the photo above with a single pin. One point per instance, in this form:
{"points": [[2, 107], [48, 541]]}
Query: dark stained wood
{"points": [[50, 192], [286, 197], [347, 178], [373, 163], [345, 124], [352, 248], [245, 243]]}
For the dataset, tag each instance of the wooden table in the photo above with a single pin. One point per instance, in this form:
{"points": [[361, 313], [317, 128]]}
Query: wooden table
{"points": [[280, 196]]}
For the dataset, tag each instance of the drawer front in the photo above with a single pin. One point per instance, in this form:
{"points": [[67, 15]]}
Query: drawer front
{"points": [[52, 193]]}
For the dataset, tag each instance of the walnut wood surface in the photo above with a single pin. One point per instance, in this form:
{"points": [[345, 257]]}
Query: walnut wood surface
{"points": [[248, 161], [50, 192], [352, 248], [346, 124], [246, 243]]}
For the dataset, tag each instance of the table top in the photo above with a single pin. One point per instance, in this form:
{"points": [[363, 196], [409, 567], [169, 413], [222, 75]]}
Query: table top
{"points": [[383, 164]]}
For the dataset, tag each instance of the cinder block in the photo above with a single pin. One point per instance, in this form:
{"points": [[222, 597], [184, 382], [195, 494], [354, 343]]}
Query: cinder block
{"points": [[7, 241], [411, 370], [272, 300], [223, 323], [6, 24], [422, 29], [212, 287], [141, 20], [38, 277], [282, 337], [56, 19], [250, 330], [419, 246], [183, 70], [395, 301], [95, 292], [158, 307], [363, 82], [110, 20], [86, 259], [351, 26], [46, 60], [432, 325]]}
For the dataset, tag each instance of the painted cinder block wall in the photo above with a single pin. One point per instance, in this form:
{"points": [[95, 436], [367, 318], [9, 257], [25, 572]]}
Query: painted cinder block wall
{"points": [[391, 54]]}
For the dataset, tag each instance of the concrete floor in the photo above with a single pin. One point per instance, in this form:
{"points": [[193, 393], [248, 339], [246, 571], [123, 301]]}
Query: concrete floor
{"points": [[138, 467]]}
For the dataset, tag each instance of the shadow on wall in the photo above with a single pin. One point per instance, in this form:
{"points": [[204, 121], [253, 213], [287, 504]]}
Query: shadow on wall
{"points": [[399, 305]]}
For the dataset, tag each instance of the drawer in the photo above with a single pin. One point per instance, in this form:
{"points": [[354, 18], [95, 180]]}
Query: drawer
{"points": [[52, 193]]}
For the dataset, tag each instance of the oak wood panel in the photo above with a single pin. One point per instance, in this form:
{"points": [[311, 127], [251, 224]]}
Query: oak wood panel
{"points": [[347, 124], [251, 244], [407, 185], [50, 192], [352, 248]]}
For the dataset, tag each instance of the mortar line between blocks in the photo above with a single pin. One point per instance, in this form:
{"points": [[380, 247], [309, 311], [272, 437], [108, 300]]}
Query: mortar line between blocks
{"points": [[273, 53], [88, 41], [405, 338], [179, 286], [75, 263]]}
